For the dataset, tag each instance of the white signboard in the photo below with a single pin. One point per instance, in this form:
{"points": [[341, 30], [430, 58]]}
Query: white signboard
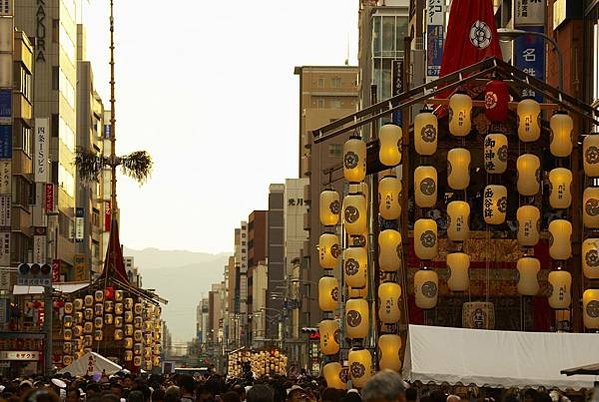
{"points": [[529, 12], [6, 7], [5, 249], [20, 355], [5, 176], [435, 12], [5, 208], [39, 248], [42, 139], [79, 229]]}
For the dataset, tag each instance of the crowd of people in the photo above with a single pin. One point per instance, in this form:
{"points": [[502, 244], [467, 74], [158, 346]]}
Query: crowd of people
{"points": [[385, 386]]}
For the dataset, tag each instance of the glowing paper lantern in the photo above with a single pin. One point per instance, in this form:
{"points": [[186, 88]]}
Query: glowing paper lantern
{"points": [[561, 126], [356, 318], [495, 204], [425, 239], [458, 168], [458, 216], [590, 152], [98, 322], [357, 293], [354, 214], [67, 334], [88, 300], [389, 351], [390, 145], [99, 296], [68, 308], [389, 197], [590, 258], [328, 293], [529, 120], [355, 266], [560, 283], [389, 301], [330, 207], [67, 321], [590, 212], [329, 337], [590, 308], [118, 334], [496, 153], [332, 373], [360, 367], [354, 160], [119, 295], [458, 264], [128, 316], [389, 250], [529, 174], [460, 109], [425, 133], [560, 239], [529, 221], [426, 288], [425, 186], [328, 250], [528, 269], [497, 98], [560, 183]]}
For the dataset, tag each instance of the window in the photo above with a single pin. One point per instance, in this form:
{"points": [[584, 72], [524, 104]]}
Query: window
{"points": [[26, 140], [25, 86], [335, 103], [335, 150], [336, 82], [21, 191], [66, 180], [66, 134], [66, 88], [320, 104], [243, 243], [321, 83]]}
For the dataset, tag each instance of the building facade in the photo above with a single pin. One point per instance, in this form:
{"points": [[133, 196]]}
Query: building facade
{"points": [[256, 256], [275, 259]]}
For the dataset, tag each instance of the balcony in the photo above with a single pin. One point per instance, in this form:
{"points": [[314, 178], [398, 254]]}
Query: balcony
{"points": [[20, 220], [21, 163], [21, 107]]}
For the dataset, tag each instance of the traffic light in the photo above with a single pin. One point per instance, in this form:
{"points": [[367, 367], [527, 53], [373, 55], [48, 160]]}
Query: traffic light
{"points": [[313, 333], [34, 274]]}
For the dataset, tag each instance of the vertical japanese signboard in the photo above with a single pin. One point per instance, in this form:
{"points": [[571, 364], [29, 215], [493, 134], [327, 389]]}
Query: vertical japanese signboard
{"points": [[5, 249], [397, 78], [39, 244], [435, 31], [5, 176], [55, 271], [529, 12], [5, 207], [40, 161], [5, 105], [79, 225], [49, 198], [5, 142], [529, 56], [79, 267]]}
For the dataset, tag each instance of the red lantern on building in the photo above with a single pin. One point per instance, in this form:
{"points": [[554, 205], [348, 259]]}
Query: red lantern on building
{"points": [[497, 98], [109, 293]]}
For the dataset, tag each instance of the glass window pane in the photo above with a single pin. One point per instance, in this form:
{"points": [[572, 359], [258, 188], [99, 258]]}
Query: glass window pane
{"points": [[401, 31], [376, 36], [388, 34]]}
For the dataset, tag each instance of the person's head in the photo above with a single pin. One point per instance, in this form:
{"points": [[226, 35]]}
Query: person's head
{"points": [[231, 396], [127, 382], [411, 394], [73, 395], [260, 393], [453, 398], [351, 396], [108, 397], [332, 395], [204, 394], [135, 396], [187, 384], [240, 389], [92, 389], [384, 386], [158, 395], [24, 387], [40, 395], [116, 390]]}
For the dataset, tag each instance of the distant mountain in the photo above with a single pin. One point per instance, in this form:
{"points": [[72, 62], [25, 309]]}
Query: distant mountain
{"points": [[181, 277]]}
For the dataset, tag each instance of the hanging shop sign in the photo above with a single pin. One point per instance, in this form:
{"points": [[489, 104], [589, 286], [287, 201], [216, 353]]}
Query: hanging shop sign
{"points": [[5, 104], [49, 200], [5, 142], [79, 224], [529, 55], [5, 176], [20, 355], [5, 207], [41, 150], [5, 248], [529, 12]]}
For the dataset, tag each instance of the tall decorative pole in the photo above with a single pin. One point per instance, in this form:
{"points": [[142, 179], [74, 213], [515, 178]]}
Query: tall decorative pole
{"points": [[113, 163]]}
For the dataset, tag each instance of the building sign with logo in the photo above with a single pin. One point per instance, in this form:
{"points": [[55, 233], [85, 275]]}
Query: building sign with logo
{"points": [[397, 83], [79, 267], [40, 162], [20, 355], [56, 271], [529, 12], [529, 56], [49, 198], [40, 31]]}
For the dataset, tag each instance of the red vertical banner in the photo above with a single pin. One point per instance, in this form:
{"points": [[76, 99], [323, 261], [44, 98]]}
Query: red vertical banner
{"points": [[55, 271], [49, 203], [107, 215]]}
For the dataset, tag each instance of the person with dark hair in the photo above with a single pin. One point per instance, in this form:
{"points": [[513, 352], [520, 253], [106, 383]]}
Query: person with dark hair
{"points": [[240, 389], [92, 389], [108, 397], [352, 396], [411, 395], [231, 396], [116, 389], [261, 393], [40, 395], [187, 385], [136, 396], [332, 395], [158, 395], [73, 395], [203, 394]]}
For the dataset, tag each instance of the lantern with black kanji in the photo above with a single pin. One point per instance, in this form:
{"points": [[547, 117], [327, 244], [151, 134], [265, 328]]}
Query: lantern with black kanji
{"points": [[590, 258], [560, 182], [389, 301], [329, 337], [458, 216], [529, 120], [495, 153], [355, 266], [494, 204], [529, 221], [328, 250], [560, 283], [330, 207], [460, 109], [590, 155], [389, 197]]}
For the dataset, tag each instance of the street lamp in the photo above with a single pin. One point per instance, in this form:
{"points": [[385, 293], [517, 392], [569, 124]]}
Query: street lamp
{"points": [[509, 34]]}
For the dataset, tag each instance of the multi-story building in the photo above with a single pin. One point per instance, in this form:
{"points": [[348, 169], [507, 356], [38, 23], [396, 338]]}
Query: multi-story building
{"points": [[256, 234], [260, 320], [275, 238], [132, 271], [202, 321], [241, 272], [53, 25]]}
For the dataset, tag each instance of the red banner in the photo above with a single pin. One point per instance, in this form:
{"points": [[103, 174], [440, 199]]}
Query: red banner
{"points": [[49, 204], [107, 216], [55, 271]]}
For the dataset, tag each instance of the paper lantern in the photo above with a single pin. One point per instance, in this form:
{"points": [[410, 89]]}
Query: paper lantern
{"points": [[99, 309], [425, 186], [138, 322], [119, 295], [496, 153], [67, 348], [328, 250], [128, 330], [426, 288], [590, 152], [128, 343], [78, 304], [390, 145], [329, 337], [529, 174], [77, 331], [128, 316], [108, 306], [458, 168], [88, 313], [328, 293], [99, 296], [590, 258], [354, 160], [330, 206], [529, 221], [128, 303], [67, 321], [118, 334], [332, 373], [528, 269], [137, 361], [389, 302], [98, 322], [355, 266], [458, 217], [98, 335], [560, 283], [389, 347], [425, 239], [354, 214], [68, 308], [590, 308], [560, 184], [67, 334], [497, 99], [389, 198], [67, 360], [78, 317], [560, 239], [156, 361], [88, 300], [561, 126], [425, 133], [138, 309], [460, 109], [529, 120], [356, 318], [495, 204], [390, 250], [118, 322], [360, 240], [119, 309], [590, 212], [360, 367], [458, 264], [88, 340], [88, 327]]}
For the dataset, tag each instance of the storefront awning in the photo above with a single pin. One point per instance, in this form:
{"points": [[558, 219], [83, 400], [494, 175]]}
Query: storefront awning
{"points": [[20, 290], [498, 358]]}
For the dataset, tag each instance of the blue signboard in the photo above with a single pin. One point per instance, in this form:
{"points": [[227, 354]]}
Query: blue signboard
{"points": [[5, 142], [529, 56], [434, 49], [5, 103], [107, 131]]}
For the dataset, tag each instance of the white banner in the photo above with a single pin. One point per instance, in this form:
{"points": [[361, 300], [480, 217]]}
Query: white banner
{"points": [[79, 228], [5, 249], [435, 12], [42, 139], [39, 248], [20, 355], [5, 208], [5, 176], [529, 12]]}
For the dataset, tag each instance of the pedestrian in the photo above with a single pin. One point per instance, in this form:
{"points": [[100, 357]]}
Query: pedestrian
{"points": [[384, 386]]}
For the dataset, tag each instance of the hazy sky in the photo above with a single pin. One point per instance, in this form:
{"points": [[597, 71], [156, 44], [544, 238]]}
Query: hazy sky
{"points": [[207, 87]]}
